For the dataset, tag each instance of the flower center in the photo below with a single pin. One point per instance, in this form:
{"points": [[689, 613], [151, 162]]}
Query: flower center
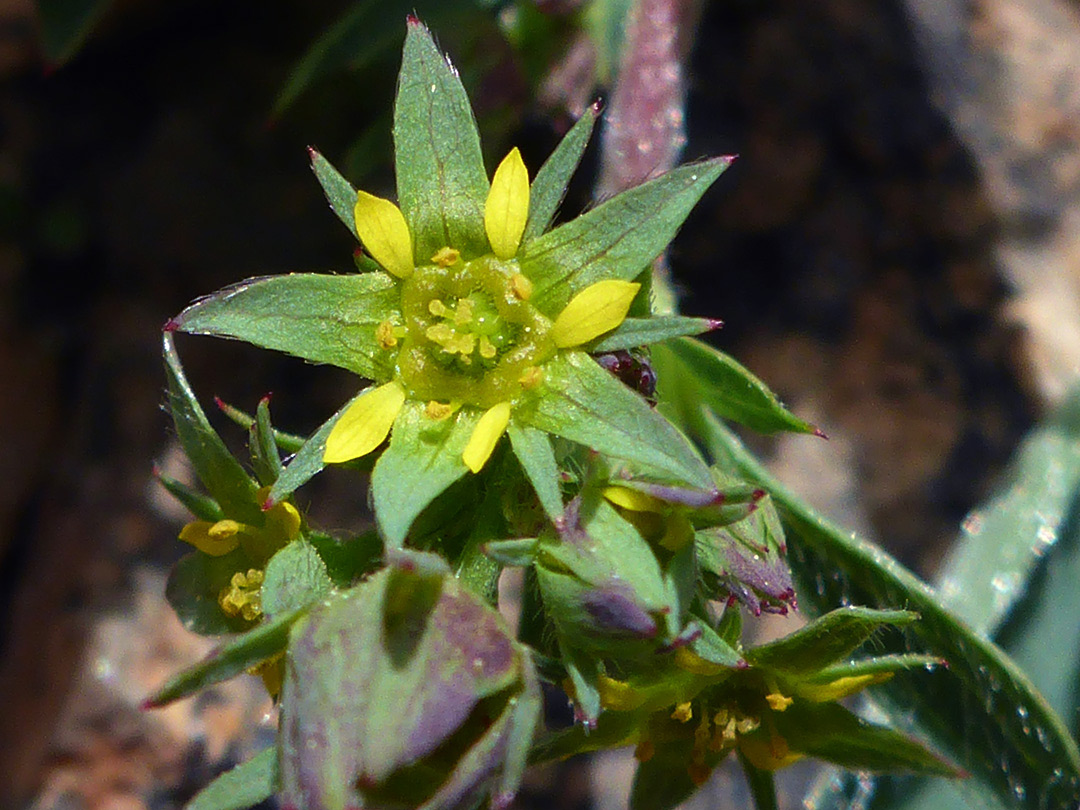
{"points": [[470, 334]]}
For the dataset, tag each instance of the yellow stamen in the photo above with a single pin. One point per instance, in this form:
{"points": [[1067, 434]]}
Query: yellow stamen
{"points": [[485, 436], [384, 333], [437, 308], [507, 208], [446, 257], [778, 702], [487, 348], [597, 309], [531, 378], [683, 713], [382, 228], [243, 597], [464, 312], [521, 287], [438, 410], [365, 425]]}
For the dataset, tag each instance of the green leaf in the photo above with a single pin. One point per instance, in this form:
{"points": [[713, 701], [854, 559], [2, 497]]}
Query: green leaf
{"points": [[634, 332], [585, 404], [295, 578], [321, 318], [663, 781], [692, 374], [65, 25], [617, 239], [442, 185], [286, 442], [264, 450], [830, 732], [193, 587], [826, 640], [548, 187], [1025, 755], [246, 785], [605, 21], [231, 659], [533, 449], [339, 192], [761, 784], [308, 461], [520, 551], [348, 560], [201, 506], [423, 459], [214, 465]]}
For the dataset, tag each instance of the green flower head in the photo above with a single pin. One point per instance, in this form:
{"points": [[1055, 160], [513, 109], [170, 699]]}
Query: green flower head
{"points": [[473, 320]]}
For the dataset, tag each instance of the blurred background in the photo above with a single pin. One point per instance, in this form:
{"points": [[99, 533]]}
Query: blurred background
{"points": [[894, 252]]}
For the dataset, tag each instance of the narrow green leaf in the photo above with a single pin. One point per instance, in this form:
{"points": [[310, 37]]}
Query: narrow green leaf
{"points": [[321, 318], [246, 785], [265, 459], [582, 402], [232, 658], [442, 184], [878, 665], [1025, 755], [286, 442], [65, 25], [295, 578], [517, 552], [761, 784], [827, 640], [193, 587], [201, 506], [549, 185], [308, 461], [423, 459], [691, 374], [830, 732], [634, 332], [533, 449], [617, 239], [214, 465], [339, 192]]}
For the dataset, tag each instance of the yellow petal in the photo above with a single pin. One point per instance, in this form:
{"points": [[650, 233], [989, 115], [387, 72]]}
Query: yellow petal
{"points": [[382, 228], [507, 206], [597, 309], [633, 500], [214, 539], [485, 436], [365, 424]]}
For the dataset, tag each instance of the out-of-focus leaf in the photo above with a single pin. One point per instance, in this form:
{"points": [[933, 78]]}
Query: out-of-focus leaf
{"points": [[761, 784], [65, 25], [605, 21], [294, 578], [316, 316], [691, 373], [235, 656], [982, 711], [246, 785], [215, 466], [585, 404], [348, 559]]}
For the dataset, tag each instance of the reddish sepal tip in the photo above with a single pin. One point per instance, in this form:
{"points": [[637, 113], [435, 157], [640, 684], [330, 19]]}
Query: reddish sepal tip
{"points": [[269, 395], [742, 663], [156, 471], [171, 325], [148, 704], [312, 152], [268, 504], [820, 433], [758, 494], [502, 800], [221, 404], [412, 19], [714, 324]]}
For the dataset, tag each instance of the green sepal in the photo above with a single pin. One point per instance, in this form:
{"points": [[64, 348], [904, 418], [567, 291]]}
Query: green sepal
{"points": [[533, 449], [265, 459], [201, 506], [549, 186], [729, 625], [716, 648], [422, 460], [761, 783], [518, 552], [583, 403], [248, 784], [339, 192], [692, 375], [826, 640], [617, 239], [315, 316], [295, 578], [612, 730], [231, 659], [308, 459], [221, 474], [583, 670], [286, 442], [441, 182], [830, 732], [348, 559], [195, 582], [634, 332]]}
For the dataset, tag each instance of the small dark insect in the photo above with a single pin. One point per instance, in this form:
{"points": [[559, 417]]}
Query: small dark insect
{"points": [[631, 367]]}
